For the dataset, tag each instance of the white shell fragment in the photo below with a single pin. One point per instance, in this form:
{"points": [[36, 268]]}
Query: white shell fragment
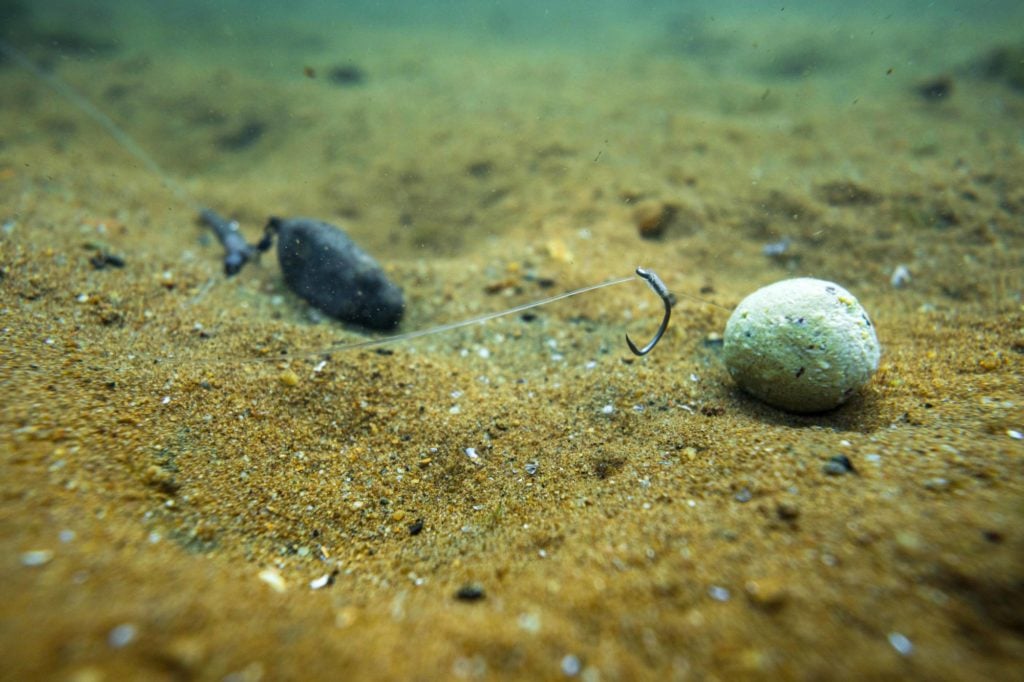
{"points": [[271, 576], [802, 345]]}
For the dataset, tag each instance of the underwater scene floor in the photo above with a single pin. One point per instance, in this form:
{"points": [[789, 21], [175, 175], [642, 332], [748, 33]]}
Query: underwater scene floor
{"points": [[201, 482]]}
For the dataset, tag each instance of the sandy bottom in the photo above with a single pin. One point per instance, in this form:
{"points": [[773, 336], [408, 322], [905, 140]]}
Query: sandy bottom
{"points": [[190, 491]]}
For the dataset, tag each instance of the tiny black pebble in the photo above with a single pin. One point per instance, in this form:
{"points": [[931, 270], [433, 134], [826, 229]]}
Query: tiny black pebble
{"points": [[993, 536], [470, 592], [416, 527], [936, 88], [528, 317], [480, 169], [787, 511], [839, 465], [346, 74], [242, 137], [101, 260]]}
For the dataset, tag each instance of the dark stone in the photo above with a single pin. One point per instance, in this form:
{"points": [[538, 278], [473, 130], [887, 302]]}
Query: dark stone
{"points": [[324, 266], [416, 527], [1005, 64], [470, 592], [787, 511], [937, 88], [245, 136], [839, 465], [480, 169], [993, 536], [346, 74], [103, 260]]}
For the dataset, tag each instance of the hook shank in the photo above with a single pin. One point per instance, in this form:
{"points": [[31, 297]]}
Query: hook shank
{"points": [[666, 298]]}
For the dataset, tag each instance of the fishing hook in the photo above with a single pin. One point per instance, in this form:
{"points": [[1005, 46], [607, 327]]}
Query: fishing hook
{"points": [[666, 297]]}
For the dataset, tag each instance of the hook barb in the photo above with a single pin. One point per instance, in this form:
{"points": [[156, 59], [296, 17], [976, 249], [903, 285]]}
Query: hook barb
{"points": [[666, 297]]}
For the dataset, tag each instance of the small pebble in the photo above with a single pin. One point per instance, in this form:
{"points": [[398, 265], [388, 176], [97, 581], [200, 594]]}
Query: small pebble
{"points": [[344, 75], [289, 378], [571, 665], [36, 557], [121, 636], [529, 622], [470, 592], [937, 484], [718, 593], [416, 527], [901, 643], [787, 511], [532, 468], [273, 578], [900, 277], [769, 593], [839, 465], [937, 88], [323, 581], [776, 249]]}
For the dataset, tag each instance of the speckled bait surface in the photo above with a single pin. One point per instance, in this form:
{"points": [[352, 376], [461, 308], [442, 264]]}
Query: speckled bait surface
{"points": [[803, 345]]}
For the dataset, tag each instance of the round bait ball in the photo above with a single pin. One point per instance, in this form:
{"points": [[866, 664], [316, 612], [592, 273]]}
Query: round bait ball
{"points": [[803, 345]]}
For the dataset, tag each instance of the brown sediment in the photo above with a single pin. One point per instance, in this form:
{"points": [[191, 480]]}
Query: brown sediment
{"points": [[639, 517]]}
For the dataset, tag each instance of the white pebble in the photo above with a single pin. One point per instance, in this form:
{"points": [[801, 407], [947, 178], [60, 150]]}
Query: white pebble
{"points": [[803, 345], [36, 557], [121, 636], [570, 665], [321, 582], [900, 276], [718, 593], [901, 644], [529, 622], [272, 577]]}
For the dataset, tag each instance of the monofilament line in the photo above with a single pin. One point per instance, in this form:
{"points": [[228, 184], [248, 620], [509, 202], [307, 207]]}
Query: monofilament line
{"points": [[478, 319], [105, 121]]}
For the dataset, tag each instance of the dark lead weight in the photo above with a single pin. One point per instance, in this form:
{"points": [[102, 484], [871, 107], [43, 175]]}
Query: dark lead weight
{"points": [[324, 266]]}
